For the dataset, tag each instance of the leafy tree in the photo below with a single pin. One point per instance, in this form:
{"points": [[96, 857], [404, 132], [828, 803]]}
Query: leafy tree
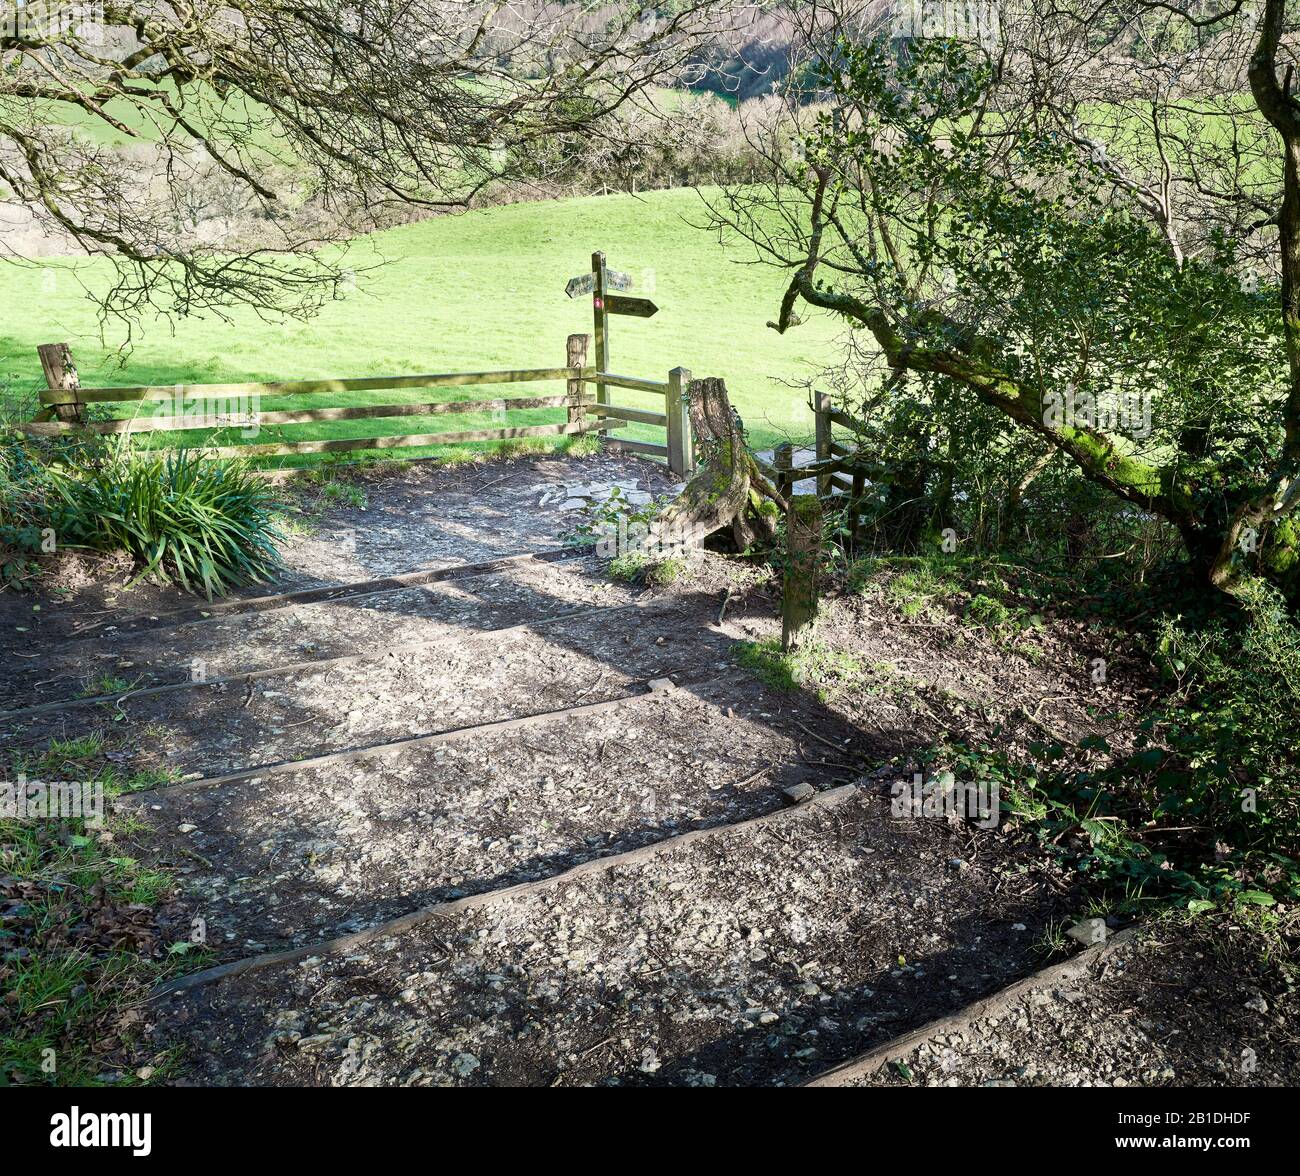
{"points": [[1119, 279]]}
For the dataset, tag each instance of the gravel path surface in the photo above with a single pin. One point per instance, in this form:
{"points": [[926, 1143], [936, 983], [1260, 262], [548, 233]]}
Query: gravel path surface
{"points": [[752, 955]]}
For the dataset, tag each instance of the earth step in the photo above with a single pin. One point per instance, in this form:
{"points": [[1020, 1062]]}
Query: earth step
{"points": [[979, 1033], [475, 678], [756, 953], [271, 642], [322, 850]]}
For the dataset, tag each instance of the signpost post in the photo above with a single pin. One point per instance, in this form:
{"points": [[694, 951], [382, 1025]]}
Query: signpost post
{"points": [[600, 322], [599, 283]]}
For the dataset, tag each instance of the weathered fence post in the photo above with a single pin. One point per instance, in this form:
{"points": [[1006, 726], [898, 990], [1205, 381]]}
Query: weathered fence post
{"points": [[681, 445], [61, 376], [576, 357], [803, 554], [855, 507], [822, 418], [783, 461], [601, 322]]}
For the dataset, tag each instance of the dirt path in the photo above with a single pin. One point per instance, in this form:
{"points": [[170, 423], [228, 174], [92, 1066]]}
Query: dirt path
{"points": [[552, 812], [753, 954], [1205, 1006]]}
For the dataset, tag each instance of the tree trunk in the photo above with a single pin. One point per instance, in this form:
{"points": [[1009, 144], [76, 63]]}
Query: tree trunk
{"points": [[729, 492]]}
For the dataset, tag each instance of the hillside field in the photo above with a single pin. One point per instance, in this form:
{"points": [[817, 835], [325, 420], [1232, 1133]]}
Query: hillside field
{"points": [[482, 290]]}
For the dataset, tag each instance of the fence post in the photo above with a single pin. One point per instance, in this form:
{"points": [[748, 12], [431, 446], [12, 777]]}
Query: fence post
{"points": [[601, 323], [681, 445], [576, 357], [783, 460], [822, 418], [61, 376], [855, 507], [799, 585]]}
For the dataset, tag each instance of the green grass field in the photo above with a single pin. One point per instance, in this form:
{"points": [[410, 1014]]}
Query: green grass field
{"points": [[483, 290]]}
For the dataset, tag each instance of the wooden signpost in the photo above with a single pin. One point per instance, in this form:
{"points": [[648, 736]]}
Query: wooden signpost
{"points": [[598, 283], [602, 283], [586, 283]]}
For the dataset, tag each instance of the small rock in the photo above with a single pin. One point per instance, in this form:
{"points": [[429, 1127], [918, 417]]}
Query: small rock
{"points": [[1089, 932], [464, 1065], [1257, 1004]]}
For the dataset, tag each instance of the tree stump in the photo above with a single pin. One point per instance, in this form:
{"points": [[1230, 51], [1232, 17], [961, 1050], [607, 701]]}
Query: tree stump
{"points": [[803, 556], [728, 491]]}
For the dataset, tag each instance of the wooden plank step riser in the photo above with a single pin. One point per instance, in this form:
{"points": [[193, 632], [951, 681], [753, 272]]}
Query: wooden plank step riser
{"points": [[400, 746], [315, 665], [220, 609], [1056, 976]]}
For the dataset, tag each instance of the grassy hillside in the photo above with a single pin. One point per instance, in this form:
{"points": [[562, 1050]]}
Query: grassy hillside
{"points": [[481, 290]]}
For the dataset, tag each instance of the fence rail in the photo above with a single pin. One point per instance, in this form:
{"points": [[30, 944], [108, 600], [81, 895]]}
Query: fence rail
{"points": [[64, 408]]}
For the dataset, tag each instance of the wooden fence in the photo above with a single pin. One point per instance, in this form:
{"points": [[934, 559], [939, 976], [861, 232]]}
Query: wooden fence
{"points": [[842, 473], [230, 408], [836, 467]]}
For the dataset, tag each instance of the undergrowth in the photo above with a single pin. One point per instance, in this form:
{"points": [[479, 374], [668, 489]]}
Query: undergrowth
{"points": [[206, 525], [79, 943], [1204, 810]]}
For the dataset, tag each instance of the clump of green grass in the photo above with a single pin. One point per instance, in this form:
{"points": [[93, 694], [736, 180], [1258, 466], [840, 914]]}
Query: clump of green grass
{"points": [[987, 611], [105, 684], [915, 584], [637, 567], [344, 493], [817, 667], [627, 567], [662, 572], [971, 589], [580, 445], [206, 525]]}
